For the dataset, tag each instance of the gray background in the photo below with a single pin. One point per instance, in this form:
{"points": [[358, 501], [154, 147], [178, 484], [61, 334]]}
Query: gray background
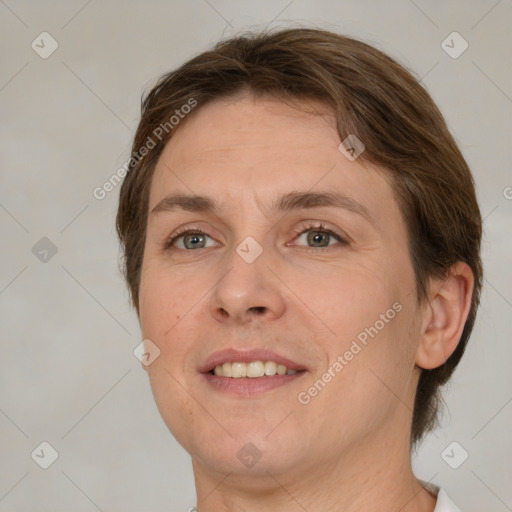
{"points": [[68, 375]]}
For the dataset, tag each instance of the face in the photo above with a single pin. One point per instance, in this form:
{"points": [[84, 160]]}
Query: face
{"points": [[301, 256]]}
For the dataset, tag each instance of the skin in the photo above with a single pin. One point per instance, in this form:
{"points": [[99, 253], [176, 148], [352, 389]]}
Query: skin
{"points": [[348, 448]]}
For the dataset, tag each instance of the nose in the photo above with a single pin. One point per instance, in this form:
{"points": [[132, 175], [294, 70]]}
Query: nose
{"points": [[246, 291]]}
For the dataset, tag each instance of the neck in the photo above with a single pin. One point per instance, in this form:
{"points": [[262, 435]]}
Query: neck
{"points": [[376, 474]]}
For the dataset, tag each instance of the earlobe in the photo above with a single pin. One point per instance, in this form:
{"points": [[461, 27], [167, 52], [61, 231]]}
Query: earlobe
{"points": [[445, 316]]}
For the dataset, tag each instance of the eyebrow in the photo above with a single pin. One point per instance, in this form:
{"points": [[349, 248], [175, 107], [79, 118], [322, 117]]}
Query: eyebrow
{"points": [[284, 203]]}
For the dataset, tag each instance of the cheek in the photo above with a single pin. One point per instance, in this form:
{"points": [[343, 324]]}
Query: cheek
{"points": [[164, 300], [349, 299], [369, 344], [372, 381], [174, 308], [179, 413]]}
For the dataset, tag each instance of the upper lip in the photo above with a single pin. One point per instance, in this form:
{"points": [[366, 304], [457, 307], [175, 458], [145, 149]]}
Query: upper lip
{"points": [[247, 356]]}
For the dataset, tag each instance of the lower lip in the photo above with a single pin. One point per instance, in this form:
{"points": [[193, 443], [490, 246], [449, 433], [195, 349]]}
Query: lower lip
{"points": [[245, 386]]}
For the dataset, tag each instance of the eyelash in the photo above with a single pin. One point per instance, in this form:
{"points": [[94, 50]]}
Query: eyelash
{"points": [[304, 229], [321, 228]]}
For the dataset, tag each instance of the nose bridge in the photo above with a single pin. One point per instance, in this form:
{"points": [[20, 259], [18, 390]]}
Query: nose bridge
{"points": [[246, 288]]}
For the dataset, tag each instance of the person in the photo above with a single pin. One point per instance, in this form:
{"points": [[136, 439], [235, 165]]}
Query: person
{"points": [[301, 244]]}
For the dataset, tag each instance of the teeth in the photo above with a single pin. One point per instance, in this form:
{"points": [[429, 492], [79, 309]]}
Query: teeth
{"points": [[255, 369], [226, 370], [238, 370], [270, 368], [252, 370]]}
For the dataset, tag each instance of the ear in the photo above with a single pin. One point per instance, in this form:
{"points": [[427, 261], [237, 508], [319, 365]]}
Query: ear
{"points": [[444, 316]]}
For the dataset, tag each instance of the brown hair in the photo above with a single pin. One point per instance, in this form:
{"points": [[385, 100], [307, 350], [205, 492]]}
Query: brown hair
{"points": [[374, 97]]}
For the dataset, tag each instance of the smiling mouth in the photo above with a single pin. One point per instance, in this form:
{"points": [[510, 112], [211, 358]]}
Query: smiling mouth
{"points": [[246, 387], [251, 370]]}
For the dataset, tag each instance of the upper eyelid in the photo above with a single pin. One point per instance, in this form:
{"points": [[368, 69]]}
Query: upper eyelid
{"points": [[298, 231]]}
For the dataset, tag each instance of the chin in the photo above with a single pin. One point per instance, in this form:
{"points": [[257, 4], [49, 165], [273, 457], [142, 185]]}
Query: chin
{"points": [[250, 454]]}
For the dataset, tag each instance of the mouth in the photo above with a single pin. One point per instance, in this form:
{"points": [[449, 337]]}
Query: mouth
{"points": [[249, 372]]}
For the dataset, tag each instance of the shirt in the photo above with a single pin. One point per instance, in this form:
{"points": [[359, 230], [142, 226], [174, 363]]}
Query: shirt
{"points": [[444, 503]]}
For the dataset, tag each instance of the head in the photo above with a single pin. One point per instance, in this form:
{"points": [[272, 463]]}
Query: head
{"points": [[254, 124]]}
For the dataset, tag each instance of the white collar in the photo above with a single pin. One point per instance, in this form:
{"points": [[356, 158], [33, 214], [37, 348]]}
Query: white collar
{"points": [[444, 503]]}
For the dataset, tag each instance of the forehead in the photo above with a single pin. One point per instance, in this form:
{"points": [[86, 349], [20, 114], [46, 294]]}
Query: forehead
{"points": [[250, 127], [246, 149]]}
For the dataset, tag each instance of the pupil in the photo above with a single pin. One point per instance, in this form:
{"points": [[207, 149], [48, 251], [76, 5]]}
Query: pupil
{"points": [[317, 237], [192, 239]]}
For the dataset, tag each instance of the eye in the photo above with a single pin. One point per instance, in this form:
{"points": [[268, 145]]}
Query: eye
{"points": [[188, 240], [315, 236], [318, 236]]}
